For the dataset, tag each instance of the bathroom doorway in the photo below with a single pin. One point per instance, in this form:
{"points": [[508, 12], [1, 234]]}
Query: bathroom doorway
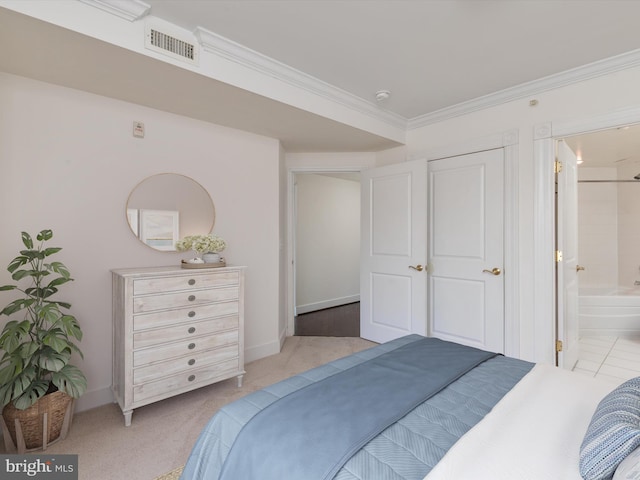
{"points": [[608, 230]]}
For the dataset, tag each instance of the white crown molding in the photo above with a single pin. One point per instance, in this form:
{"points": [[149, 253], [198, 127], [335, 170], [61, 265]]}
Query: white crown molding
{"points": [[578, 74], [223, 47], [218, 45], [131, 10]]}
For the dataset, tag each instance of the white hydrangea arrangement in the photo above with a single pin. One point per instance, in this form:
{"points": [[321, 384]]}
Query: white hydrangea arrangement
{"points": [[201, 244]]}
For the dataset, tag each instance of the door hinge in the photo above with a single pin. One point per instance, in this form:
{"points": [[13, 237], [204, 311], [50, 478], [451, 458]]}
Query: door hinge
{"points": [[558, 345], [558, 256], [557, 166]]}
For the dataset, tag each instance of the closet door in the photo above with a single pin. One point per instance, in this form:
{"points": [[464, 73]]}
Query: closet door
{"points": [[393, 252], [466, 249]]}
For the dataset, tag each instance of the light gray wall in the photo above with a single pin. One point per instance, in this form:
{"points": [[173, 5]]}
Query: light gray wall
{"points": [[68, 161], [327, 241]]}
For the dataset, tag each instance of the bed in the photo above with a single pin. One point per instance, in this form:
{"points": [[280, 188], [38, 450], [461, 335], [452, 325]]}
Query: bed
{"points": [[421, 408]]}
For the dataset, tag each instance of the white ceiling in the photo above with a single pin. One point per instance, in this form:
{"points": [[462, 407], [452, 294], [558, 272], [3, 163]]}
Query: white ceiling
{"points": [[607, 148], [431, 55]]}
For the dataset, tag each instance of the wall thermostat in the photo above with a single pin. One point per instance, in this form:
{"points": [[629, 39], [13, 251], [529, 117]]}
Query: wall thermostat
{"points": [[138, 129]]}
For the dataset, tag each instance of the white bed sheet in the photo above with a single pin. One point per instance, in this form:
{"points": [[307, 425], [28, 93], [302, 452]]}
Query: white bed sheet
{"points": [[533, 433]]}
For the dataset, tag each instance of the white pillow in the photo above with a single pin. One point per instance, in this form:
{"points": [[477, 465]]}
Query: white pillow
{"points": [[629, 469]]}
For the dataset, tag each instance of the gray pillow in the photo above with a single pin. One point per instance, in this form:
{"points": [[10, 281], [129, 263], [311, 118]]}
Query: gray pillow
{"points": [[614, 432], [629, 469]]}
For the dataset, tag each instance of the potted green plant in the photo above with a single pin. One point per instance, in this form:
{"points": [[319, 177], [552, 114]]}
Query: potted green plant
{"points": [[35, 373]]}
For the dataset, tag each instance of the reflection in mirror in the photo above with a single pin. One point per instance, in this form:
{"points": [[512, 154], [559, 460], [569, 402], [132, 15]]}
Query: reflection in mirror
{"points": [[166, 207]]}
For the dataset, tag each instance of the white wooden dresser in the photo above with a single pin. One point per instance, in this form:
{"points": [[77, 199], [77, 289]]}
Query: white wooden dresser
{"points": [[175, 330]]}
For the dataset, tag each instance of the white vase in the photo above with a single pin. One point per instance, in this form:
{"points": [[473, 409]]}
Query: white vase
{"points": [[210, 257]]}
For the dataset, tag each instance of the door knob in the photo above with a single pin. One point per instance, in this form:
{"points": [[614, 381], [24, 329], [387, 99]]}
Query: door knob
{"points": [[495, 271], [579, 267], [417, 267]]}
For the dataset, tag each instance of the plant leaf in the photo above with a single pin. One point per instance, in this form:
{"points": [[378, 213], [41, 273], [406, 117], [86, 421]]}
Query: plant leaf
{"points": [[70, 380], [51, 251], [21, 382], [62, 304], [54, 338], [28, 349], [45, 235], [12, 368], [16, 306], [13, 335], [17, 263], [58, 281], [53, 361], [5, 394], [60, 269], [49, 312], [27, 240], [31, 394], [20, 274], [8, 287], [71, 326]]}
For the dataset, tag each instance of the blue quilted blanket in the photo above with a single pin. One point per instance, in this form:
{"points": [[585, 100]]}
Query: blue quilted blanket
{"points": [[408, 449]]}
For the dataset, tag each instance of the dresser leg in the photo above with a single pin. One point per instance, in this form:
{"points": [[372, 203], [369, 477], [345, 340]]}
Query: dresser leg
{"points": [[127, 417], [240, 381]]}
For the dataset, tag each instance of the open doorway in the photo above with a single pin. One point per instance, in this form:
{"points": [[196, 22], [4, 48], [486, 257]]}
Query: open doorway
{"points": [[326, 265], [608, 232]]}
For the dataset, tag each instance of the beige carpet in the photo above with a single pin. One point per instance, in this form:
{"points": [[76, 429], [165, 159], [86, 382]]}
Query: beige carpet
{"points": [[162, 434]]}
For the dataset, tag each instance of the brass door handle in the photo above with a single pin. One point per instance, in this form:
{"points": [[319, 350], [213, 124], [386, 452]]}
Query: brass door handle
{"points": [[495, 271], [417, 267], [579, 267]]}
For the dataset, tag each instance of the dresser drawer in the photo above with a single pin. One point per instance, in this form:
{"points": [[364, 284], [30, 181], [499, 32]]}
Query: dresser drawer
{"points": [[148, 338], [145, 286], [184, 315], [167, 351], [179, 381], [150, 303], [184, 364]]}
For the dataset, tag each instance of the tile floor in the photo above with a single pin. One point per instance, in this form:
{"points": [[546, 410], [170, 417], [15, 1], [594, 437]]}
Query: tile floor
{"points": [[613, 359]]}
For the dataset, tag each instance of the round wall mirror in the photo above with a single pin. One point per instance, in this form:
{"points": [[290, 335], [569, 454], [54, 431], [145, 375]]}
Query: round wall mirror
{"points": [[166, 207]]}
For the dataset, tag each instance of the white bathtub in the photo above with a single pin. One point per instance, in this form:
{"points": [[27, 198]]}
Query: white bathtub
{"points": [[609, 311]]}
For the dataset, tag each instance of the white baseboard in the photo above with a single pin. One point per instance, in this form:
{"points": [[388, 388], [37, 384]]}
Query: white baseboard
{"points": [[334, 302], [261, 351], [93, 399]]}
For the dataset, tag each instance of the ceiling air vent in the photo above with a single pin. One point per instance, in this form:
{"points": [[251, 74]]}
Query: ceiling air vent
{"points": [[171, 45]]}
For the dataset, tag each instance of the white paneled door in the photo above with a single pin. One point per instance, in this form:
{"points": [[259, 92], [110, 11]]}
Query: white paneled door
{"points": [[567, 330], [466, 243], [393, 252]]}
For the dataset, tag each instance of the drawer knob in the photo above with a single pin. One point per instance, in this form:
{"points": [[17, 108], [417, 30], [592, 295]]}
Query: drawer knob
{"points": [[192, 281], [192, 361], [192, 329], [191, 378], [192, 346], [192, 314], [192, 298]]}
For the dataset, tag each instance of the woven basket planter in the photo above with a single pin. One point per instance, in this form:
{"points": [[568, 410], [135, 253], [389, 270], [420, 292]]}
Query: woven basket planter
{"points": [[43, 423]]}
